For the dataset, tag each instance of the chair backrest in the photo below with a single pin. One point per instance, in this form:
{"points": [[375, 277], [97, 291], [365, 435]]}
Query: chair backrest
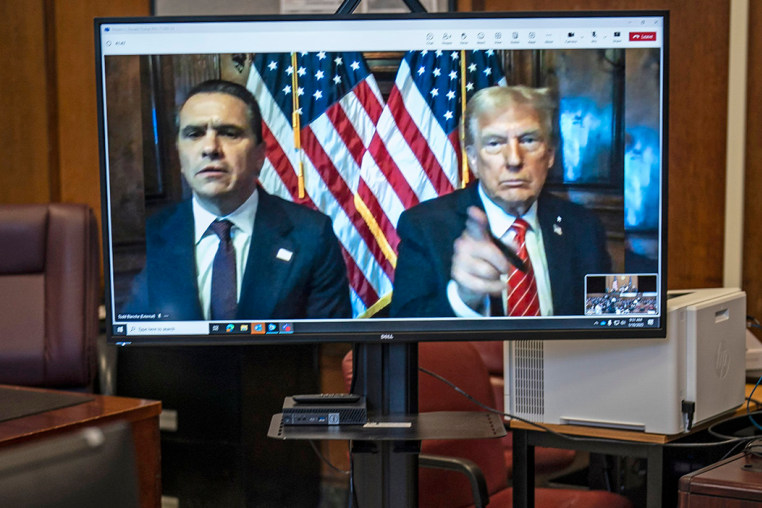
{"points": [[492, 355], [49, 294], [460, 363]]}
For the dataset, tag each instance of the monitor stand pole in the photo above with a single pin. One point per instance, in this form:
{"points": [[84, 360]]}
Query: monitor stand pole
{"points": [[385, 473]]}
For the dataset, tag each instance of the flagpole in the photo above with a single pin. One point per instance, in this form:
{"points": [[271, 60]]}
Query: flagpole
{"points": [[463, 155], [296, 125]]}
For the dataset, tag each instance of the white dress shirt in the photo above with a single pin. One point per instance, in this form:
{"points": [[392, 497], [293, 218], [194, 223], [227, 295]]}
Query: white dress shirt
{"points": [[207, 243], [500, 224]]}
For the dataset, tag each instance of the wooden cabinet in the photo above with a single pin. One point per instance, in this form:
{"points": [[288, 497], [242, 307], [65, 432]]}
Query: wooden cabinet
{"points": [[735, 482]]}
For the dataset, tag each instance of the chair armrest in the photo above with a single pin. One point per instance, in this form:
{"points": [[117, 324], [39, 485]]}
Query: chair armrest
{"points": [[463, 466]]}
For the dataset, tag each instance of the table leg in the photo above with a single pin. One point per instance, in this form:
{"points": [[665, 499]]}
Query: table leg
{"points": [[523, 470], [654, 476]]}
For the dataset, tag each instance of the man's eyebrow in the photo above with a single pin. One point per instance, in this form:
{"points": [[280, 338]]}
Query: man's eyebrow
{"points": [[192, 127], [227, 126], [485, 135], [187, 129]]}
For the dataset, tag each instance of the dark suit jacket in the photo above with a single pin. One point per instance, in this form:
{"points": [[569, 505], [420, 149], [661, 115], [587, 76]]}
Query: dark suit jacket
{"points": [[428, 230], [312, 284]]}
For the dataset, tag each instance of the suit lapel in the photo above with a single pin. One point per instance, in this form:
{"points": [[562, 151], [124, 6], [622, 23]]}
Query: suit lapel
{"points": [[176, 240], [271, 255], [469, 197], [556, 243]]}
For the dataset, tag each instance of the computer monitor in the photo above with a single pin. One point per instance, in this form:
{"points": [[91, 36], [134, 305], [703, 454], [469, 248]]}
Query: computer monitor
{"points": [[372, 131]]}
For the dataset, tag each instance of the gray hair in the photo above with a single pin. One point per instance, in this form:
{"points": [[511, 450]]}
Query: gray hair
{"points": [[496, 98]]}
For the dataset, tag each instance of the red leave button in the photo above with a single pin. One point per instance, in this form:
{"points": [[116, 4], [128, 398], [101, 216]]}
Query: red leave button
{"points": [[642, 36]]}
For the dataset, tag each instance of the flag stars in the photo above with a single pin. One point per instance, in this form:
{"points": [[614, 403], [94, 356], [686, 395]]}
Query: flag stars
{"points": [[317, 95], [355, 65], [454, 55], [437, 72], [487, 71], [434, 92], [469, 87], [287, 89], [451, 94], [289, 70], [300, 91], [321, 55], [337, 79], [301, 72], [453, 75], [338, 60], [438, 53], [448, 115], [421, 70], [273, 65], [472, 67], [319, 75]]}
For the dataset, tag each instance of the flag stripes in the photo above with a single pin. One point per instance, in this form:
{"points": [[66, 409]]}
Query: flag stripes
{"points": [[364, 160]]}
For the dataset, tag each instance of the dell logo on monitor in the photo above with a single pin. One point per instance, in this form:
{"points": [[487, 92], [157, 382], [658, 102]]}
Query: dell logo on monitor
{"points": [[387, 336]]}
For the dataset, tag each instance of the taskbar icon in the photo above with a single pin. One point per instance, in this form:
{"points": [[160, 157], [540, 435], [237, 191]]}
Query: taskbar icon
{"points": [[229, 328], [254, 328]]}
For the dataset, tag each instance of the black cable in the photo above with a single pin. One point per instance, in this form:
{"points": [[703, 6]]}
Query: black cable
{"points": [[352, 489], [325, 459], [733, 450], [754, 448], [748, 409]]}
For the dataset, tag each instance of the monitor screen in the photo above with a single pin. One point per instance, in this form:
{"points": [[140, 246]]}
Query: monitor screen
{"points": [[384, 178]]}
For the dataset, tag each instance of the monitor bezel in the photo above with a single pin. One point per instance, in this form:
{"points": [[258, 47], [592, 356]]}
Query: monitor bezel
{"points": [[392, 330]]}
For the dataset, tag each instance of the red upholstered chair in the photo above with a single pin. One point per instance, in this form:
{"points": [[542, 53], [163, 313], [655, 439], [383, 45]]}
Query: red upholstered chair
{"points": [[49, 294], [546, 460], [461, 363]]}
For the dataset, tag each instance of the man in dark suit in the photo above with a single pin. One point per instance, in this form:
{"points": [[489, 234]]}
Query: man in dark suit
{"points": [[233, 251], [449, 263]]}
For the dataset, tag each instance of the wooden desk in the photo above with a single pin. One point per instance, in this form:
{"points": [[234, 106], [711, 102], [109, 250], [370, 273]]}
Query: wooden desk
{"points": [[624, 443], [143, 416]]}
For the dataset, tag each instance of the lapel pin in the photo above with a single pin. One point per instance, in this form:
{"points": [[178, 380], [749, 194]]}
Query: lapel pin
{"points": [[557, 230], [284, 255]]}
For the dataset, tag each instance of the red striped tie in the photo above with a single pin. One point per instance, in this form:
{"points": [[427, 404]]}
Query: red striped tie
{"points": [[522, 287]]}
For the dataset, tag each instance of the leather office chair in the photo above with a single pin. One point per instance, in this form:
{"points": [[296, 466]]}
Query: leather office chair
{"points": [[546, 460], [460, 363], [49, 293]]}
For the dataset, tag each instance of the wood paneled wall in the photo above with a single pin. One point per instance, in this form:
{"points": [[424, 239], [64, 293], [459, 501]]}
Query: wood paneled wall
{"points": [[752, 252], [697, 121], [26, 113], [47, 98]]}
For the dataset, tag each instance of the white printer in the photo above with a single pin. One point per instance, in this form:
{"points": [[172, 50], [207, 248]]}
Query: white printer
{"points": [[653, 385]]}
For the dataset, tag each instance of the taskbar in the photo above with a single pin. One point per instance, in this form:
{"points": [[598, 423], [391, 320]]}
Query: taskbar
{"points": [[260, 328], [154, 328]]}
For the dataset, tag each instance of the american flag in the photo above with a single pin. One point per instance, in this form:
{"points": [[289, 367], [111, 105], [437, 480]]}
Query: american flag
{"points": [[364, 161], [416, 148], [338, 104]]}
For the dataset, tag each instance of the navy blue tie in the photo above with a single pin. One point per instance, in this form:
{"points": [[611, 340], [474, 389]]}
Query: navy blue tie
{"points": [[223, 303]]}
